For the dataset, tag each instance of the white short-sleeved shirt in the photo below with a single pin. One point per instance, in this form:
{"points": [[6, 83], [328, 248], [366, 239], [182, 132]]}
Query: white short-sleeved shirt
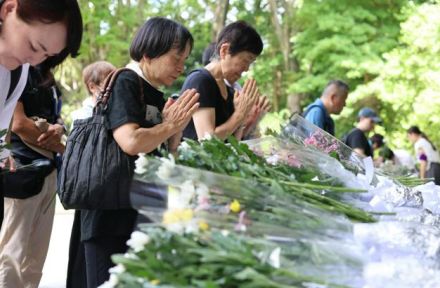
{"points": [[432, 155], [7, 107]]}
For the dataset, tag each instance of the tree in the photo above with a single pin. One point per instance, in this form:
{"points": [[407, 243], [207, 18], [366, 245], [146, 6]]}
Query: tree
{"points": [[343, 39], [408, 86]]}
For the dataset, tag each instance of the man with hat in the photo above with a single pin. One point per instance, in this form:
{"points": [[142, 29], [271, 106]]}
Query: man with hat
{"points": [[357, 138]]}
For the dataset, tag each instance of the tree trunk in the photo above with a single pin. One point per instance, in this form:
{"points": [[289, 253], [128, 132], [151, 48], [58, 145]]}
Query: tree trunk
{"points": [[294, 103], [221, 11]]}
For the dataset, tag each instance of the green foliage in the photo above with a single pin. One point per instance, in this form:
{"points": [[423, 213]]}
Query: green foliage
{"points": [[236, 159], [210, 260], [407, 89], [343, 39], [353, 40]]}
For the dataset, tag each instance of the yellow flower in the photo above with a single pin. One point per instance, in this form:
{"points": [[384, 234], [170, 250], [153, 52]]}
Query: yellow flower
{"points": [[203, 225], [179, 215], [170, 217], [235, 206], [155, 282], [186, 215]]}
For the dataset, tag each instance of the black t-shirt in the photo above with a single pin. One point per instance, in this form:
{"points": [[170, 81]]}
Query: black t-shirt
{"points": [[125, 106], [210, 97], [357, 139], [39, 101]]}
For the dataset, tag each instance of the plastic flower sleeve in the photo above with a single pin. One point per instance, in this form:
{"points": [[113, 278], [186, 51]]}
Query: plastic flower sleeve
{"points": [[301, 131], [200, 200], [277, 150]]}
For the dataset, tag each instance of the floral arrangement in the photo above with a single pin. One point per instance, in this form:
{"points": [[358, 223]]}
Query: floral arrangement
{"points": [[160, 258], [275, 218]]}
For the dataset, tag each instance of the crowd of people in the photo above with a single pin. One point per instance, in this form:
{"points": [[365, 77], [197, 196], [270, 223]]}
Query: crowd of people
{"points": [[211, 102], [332, 101], [37, 36]]}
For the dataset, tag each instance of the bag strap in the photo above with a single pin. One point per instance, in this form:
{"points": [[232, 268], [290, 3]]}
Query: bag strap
{"points": [[310, 109], [109, 83], [15, 77]]}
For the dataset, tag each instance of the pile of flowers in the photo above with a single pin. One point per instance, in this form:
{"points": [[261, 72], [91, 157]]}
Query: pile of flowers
{"points": [[274, 212]]}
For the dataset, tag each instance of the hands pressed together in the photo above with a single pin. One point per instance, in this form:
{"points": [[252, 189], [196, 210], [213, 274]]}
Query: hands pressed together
{"points": [[179, 112]]}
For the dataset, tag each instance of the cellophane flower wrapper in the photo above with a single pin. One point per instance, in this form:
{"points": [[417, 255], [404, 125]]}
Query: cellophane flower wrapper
{"points": [[414, 211], [331, 156], [310, 241], [384, 250], [298, 155], [299, 130]]}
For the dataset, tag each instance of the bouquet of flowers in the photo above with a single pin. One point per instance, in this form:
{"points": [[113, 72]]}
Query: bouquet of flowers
{"points": [[275, 233], [279, 241], [301, 131]]}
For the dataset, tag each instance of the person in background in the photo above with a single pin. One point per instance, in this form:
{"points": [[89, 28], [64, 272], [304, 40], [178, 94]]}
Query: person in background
{"points": [[332, 101], [93, 76], [32, 32], [140, 120], [208, 53], [427, 154], [29, 203], [381, 152], [357, 138]]}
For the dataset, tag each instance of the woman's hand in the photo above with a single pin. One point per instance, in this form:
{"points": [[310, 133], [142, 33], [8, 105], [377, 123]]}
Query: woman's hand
{"points": [[179, 112], [246, 98], [51, 139], [8, 163], [261, 107], [174, 142]]}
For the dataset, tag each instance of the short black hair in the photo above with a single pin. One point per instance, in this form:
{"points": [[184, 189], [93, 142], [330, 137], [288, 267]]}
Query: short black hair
{"points": [[157, 36], [378, 139], [340, 85], [208, 53], [242, 37]]}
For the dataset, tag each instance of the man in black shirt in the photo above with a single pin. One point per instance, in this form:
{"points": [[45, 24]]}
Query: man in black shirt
{"points": [[357, 138]]}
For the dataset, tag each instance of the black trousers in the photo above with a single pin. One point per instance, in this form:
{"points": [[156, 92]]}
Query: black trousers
{"points": [[98, 252], [76, 267], [434, 172]]}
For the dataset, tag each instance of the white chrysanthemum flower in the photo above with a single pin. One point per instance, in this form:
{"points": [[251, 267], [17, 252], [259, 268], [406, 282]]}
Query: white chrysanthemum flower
{"points": [[164, 171], [207, 137], [274, 258], [187, 191], [138, 241], [273, 160], [141, 164], [202, 190], [176, 227], [192, 226], [184, 146], [131, 256], [117, 269]]}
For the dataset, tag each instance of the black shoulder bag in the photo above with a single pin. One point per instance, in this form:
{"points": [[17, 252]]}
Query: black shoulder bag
{"points": [[95, 173]]}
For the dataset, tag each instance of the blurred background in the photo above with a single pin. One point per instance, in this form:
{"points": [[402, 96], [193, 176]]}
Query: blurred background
{"points": [[387, 51]]}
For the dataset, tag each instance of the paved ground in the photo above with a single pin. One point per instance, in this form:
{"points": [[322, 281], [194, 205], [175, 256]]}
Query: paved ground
{"points": [[54, 272]]}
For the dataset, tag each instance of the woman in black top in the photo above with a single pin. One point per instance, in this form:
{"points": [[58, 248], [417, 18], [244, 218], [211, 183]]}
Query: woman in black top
{"points": [[160, 47], [222, 110]]}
